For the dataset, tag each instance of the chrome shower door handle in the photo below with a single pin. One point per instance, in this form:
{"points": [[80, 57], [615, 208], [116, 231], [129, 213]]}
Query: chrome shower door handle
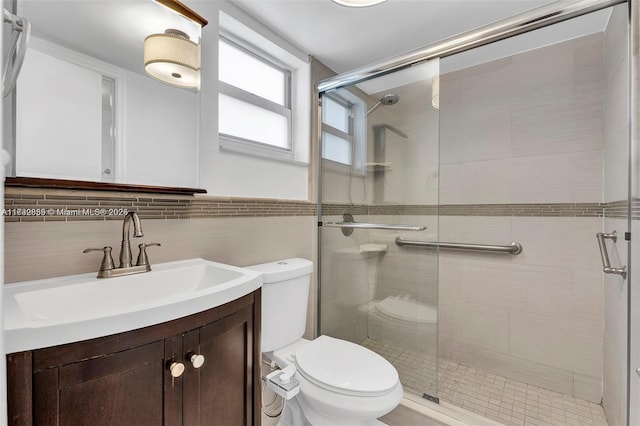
{"points": [[604, 255]]}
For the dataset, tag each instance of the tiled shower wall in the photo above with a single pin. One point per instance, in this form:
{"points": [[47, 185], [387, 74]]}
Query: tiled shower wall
{"points": [[521, 159], [525, 129]]}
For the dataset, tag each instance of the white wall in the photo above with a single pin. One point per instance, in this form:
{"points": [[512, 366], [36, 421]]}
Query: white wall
{"points": [[58, 119], [161, 133], [236, 174]]}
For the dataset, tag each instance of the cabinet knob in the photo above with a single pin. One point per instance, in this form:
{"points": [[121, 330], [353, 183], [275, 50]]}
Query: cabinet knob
{"points": [[197, 360], [176, 369]]}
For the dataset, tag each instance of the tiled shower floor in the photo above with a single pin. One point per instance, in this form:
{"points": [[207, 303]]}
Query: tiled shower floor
{"points": [[495, 397]]}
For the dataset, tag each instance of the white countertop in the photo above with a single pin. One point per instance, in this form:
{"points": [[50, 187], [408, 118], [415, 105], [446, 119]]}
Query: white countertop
{"points": [[55, 311]]}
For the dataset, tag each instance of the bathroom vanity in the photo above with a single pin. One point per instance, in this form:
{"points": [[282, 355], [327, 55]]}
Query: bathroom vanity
{"points": [[197, 369]]}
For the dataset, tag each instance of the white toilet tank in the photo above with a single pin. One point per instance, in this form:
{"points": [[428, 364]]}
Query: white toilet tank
{"points": [[285, 295]]}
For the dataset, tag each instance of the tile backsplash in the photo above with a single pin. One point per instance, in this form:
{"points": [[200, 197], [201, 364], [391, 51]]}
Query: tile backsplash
{"points": [[235, 231], [29, 205]]}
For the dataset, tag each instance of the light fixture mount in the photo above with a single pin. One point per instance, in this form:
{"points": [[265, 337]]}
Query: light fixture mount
{"points": [[182, 9], [176, 33], [358, 3]]}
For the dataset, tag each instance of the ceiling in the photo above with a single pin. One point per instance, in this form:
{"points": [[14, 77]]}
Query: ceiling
{"points": [[343, 38], [346, 38], [112, 31]]}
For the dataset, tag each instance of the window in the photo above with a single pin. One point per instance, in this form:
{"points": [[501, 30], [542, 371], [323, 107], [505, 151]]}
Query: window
{"points": [[343, 129], [254, 104]]}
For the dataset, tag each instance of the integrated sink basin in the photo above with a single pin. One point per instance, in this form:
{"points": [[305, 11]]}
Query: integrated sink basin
{"points": [[62, 310]]}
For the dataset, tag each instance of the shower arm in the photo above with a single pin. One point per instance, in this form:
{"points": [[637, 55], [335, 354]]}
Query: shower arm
{"points": [[374, 107]]}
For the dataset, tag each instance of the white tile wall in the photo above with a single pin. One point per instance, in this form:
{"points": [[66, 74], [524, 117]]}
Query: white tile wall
{"points": [[562, 342], [565, 242], [557, 178], [542, 308], [345, 281], [526, 129], [412, 178], [482, 326]]}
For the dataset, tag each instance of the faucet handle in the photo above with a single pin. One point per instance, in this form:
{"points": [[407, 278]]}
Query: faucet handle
{"points": [[142, 256], [107, 260]]}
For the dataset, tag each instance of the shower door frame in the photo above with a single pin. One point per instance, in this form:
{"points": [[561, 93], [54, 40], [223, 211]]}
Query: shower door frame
{"points": [[633, 281], [523, 23]]}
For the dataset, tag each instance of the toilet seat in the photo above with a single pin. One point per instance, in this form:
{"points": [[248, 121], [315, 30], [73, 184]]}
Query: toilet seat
{"points": [[345, 368]]}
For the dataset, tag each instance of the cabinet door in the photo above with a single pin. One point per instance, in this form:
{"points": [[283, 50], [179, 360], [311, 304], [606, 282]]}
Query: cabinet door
{"points": [[125, 388], [220, 392]]}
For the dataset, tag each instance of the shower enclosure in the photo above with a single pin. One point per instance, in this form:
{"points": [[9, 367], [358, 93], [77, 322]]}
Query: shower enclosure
{"points": [[460, 199], [380, 143]]}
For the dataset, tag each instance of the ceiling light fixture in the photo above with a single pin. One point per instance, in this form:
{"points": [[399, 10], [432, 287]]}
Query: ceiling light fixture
{"points": [[173, 59], [358, 3]]}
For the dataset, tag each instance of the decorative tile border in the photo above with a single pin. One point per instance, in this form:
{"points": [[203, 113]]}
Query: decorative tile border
{"points": [[37, 205], [614, 209], [55, 205]]}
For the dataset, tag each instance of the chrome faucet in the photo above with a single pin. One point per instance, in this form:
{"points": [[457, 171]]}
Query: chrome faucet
{"points": [[125, 248], [107, 267]]}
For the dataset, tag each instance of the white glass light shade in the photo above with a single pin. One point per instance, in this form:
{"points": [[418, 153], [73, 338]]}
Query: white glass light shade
{"points": [[358, 3], [173, 59], [435, 91]]}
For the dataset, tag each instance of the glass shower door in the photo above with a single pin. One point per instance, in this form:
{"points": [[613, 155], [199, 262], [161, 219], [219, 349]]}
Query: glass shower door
{"points": [[379, 187]]}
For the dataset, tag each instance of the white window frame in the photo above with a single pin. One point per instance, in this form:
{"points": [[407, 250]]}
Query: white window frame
{"points": [[249, 146], [356, 135]]}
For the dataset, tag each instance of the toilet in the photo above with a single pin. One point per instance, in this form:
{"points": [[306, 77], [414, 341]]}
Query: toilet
{"points": [[341, 383]]}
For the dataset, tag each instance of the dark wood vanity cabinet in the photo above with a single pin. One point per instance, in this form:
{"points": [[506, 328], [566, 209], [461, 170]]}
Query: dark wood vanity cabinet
{"points": [[125, 379]]}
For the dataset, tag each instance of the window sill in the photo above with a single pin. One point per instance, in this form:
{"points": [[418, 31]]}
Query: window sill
{"points": [[231, 144], [338, 167]]}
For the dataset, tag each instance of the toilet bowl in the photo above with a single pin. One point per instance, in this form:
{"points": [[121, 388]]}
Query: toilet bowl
{"points": [[341, 383]]}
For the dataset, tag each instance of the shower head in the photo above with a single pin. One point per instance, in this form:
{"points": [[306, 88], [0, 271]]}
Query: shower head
{"points": [[388, 99]]}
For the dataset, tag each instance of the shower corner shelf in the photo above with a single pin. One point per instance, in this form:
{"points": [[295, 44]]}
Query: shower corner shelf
{"points": [[378, 167], [373, 248]]}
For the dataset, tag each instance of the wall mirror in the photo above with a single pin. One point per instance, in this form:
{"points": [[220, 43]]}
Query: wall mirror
{"points": [[84, 107]]}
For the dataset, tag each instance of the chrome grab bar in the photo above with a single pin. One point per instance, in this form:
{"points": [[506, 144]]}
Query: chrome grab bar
{"points": [[604, 255], [348, 224], [513, 248], [364, 225]]}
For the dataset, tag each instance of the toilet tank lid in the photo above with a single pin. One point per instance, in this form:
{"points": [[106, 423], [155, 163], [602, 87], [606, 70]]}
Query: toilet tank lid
{"points": [[282, 270]]}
